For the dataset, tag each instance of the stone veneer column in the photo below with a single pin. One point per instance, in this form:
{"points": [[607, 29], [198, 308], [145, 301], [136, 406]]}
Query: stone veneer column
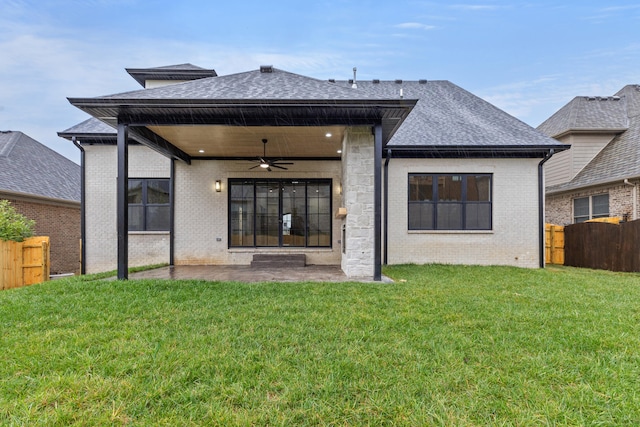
{"points": [[357, 193]]}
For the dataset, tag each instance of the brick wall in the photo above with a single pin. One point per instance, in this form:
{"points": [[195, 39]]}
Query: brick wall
{"points": [[62, 225], [514, 239], [559, 207], [101, 216]]}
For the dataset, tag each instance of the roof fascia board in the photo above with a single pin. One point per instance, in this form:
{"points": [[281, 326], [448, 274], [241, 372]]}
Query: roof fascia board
{"points": [[34, 198], [550, 191], [464, 151], [586, 131]]}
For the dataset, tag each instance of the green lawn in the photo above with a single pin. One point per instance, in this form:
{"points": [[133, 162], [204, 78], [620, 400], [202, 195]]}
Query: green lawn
{"points": [[443, 345]]}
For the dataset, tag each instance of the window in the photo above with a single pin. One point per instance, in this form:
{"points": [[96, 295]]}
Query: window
{"points": [[450, 201], [279, 213], [586, 208], [149, 207]]}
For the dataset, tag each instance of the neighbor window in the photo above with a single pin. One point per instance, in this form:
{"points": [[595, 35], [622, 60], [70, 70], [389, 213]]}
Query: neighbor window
{"points": [[450, 201], [148, 204], [586, 208], [280, 213]]}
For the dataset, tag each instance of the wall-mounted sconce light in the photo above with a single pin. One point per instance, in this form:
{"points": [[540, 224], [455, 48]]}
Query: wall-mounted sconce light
{"points": [[340, 188], [218, 186]]}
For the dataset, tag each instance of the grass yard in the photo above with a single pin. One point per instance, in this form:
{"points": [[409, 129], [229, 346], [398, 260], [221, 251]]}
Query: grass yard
{"points": [[443, 346]]}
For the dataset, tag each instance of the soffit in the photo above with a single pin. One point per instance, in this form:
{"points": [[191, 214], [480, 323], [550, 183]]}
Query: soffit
{"points": [[246, 141]]}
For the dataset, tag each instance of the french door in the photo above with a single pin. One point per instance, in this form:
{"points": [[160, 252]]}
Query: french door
{"points": [[280, 213]]}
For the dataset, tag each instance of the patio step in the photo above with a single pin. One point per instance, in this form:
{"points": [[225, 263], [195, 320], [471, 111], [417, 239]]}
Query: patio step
{"points": [[279, 260]]}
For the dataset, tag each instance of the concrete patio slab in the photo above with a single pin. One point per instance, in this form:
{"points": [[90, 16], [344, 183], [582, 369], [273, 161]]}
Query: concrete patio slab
{"points": [[245, 273]]}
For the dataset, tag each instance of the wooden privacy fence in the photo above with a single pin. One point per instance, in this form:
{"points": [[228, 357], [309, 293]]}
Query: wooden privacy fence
{"points": [[24, 263], [603, 246], [554, 244]]}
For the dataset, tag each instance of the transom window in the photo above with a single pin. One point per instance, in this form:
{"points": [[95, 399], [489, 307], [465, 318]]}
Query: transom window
{"points": [[450, 201], [280, 213], [149, 208], [586, 208]]}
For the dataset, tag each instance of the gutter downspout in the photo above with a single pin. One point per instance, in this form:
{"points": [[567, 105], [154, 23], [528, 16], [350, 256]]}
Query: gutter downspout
{"points": [[541, 206], [634, 215], [83, 249], [386, 206]]}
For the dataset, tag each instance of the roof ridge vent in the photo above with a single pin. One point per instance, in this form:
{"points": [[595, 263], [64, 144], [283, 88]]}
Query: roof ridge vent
{"points": [[422, 81], [375, 81], [591, 98], [266, 69], [399, 81], [332, 80]]}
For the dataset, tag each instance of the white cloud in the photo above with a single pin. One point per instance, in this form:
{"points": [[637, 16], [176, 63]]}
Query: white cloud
{"points": [[415, 26]]}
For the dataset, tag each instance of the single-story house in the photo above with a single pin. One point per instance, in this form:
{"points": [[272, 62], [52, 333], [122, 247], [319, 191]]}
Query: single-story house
{"points": [[600, 175], [44, 186], [198, 168]]}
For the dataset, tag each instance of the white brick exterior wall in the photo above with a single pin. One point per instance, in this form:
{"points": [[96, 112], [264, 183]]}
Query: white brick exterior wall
{"points": [[100, 204], [514, 239], [202, 214]]}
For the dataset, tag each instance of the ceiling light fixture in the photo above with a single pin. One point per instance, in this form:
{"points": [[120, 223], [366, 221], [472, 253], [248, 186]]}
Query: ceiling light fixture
{"points": [[328, 135]]}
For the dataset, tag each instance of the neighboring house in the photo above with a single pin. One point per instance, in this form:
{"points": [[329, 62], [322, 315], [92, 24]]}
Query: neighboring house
{"points": [[600, 175], [370, 172], [44, 186]]}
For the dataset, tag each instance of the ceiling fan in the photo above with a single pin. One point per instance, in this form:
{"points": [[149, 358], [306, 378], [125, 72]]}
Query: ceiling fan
{"points": [[265, 163]]}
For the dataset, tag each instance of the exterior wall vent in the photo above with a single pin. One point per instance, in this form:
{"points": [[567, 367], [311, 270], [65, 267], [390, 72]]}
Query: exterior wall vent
{"points": [[266, 68]]}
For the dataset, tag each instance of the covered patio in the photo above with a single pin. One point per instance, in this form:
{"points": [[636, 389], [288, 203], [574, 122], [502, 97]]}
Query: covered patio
{"points": [[223, 119]]}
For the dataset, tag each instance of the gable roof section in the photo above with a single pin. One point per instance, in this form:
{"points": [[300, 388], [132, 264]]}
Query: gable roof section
{"points": [[30, 168], [620, 159]]}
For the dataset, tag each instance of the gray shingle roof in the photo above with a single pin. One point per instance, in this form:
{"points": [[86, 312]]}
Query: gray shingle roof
{"points": [[587, 113], [170, 72], [445, 115], [620, 159], [279, 84], [28, 167]]}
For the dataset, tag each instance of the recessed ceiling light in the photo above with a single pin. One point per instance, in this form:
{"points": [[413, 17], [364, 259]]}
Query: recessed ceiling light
{"points": [[339, 151], [328, 135], [200, 151]]}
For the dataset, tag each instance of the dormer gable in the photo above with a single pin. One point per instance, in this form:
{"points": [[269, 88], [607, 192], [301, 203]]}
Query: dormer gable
{"points": [[170, 74]]}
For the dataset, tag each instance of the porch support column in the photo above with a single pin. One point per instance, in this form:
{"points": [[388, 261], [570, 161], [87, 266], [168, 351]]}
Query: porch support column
{"points": [[122, 205], [377, 202]]}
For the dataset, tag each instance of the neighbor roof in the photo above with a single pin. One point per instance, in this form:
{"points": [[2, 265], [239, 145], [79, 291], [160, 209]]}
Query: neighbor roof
{"points": [[620, 159], [30, 168]]}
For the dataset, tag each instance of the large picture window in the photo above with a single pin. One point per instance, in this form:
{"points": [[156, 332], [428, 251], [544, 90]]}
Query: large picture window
{"points": [[450, 201], [585, 208], [279, 213], [149, 208]]}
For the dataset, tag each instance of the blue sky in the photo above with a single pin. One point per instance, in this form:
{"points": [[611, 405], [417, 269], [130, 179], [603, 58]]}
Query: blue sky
{"points": [[528, 58]]}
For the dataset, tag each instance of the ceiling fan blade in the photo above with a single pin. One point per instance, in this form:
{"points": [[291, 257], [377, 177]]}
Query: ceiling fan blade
{"points": [[253, 167], [282, 163], [279, 167]]}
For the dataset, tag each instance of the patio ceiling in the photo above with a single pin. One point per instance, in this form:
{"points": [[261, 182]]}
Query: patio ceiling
{"points": [[219, 141], [180, 128]]}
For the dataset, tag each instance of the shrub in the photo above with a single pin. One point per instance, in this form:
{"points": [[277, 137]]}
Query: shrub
{"points": [[13, 225]]}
